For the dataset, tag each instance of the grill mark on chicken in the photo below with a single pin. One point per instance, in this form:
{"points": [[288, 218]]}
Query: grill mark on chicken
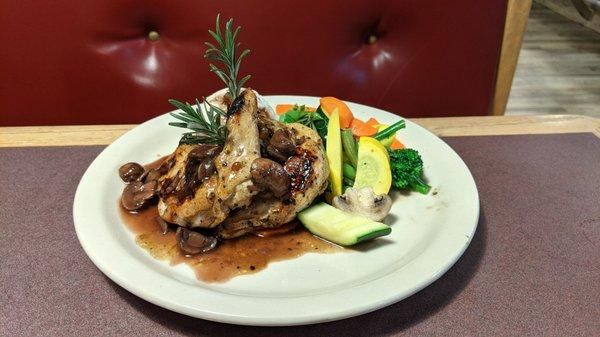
{"points": [[183, 186], [184, 198], [299, 169], [190, 179], [236, 105]]}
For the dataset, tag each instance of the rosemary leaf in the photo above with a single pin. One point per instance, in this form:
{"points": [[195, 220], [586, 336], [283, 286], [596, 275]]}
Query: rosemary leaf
{"points": [[224, 52], [204, 120]]}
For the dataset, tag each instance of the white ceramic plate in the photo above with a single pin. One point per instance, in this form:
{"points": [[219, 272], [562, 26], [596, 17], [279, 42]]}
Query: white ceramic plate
{"points": [[429, 234]]}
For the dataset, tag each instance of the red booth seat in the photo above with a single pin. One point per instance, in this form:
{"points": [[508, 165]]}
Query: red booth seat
{"points": [[92, 62]]}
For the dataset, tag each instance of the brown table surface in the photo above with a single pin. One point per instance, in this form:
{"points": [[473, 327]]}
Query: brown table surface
{"points": [[533, 267], [447, 126]]}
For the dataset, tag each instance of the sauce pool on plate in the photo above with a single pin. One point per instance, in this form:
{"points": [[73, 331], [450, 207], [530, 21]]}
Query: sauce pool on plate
{"points": [[244, 255]]}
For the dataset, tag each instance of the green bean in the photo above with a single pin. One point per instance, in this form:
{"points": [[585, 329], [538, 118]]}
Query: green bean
{"points": [[348, 171], [390, 130], [349, 146]]}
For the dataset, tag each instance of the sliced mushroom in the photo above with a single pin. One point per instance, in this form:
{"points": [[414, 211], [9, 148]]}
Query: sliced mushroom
{"points": [[164, 226], [364, 202], [270, 175], [193, 242], [283, 142], [263, 133], [137, 194], [281, 146], [131, 172], [276, 155]]}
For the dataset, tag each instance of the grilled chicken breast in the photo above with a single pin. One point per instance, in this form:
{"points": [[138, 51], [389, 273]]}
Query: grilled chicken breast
{"points": [[307, 170], [264, 174], [206, 181]]}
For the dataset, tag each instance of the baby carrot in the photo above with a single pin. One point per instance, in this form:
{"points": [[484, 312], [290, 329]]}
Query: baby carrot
{"points": [[280, 109], [396, 145], [361, 129], [330, 103], [372, 122]]}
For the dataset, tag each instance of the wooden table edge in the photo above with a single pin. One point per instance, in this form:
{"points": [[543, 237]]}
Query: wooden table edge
{"points": [[32, 136]]}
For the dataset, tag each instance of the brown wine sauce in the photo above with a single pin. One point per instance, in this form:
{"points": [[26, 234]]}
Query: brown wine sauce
{"points": [[244, 255]]}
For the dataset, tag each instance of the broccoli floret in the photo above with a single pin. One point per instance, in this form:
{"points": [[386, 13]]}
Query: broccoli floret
{"points": [[407, 169]]}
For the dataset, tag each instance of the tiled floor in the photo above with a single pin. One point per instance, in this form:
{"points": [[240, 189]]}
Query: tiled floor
{"points": [[559, 68]]}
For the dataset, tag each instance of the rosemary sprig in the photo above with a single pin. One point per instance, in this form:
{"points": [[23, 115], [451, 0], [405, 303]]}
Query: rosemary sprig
{"points": [[206, 125], [224, 52]]}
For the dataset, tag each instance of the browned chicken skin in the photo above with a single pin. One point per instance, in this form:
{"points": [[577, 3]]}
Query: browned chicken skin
{"points": [[265, 173], [242, 146], [186, 192], [307, 171]]}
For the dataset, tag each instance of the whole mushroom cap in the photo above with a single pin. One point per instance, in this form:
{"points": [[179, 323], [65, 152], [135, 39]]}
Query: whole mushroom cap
{"points": [[364, 202]]}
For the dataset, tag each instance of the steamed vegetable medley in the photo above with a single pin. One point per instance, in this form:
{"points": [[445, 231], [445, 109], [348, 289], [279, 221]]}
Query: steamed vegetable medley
{"points": [[365, 161]]}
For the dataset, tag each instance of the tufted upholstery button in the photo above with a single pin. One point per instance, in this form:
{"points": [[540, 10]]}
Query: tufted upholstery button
{"points": [[371, 39], [153, 35]]}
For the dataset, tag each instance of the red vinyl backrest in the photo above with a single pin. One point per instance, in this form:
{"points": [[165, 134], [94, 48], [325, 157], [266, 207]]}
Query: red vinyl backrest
{"points": [[91, 62]]}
